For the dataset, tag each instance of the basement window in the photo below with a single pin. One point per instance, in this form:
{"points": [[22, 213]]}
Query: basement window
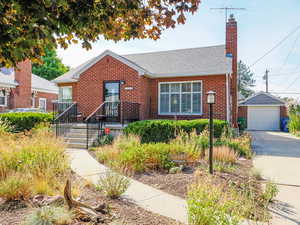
{"points": [[180, 98]]}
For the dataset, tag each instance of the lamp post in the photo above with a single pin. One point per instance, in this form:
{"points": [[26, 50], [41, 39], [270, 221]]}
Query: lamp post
{"points": [[211, 99]]}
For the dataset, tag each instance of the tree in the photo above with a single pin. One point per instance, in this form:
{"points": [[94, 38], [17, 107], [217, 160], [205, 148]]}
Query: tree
{"points": [[51, 67], [246, 80], [27, 28]]}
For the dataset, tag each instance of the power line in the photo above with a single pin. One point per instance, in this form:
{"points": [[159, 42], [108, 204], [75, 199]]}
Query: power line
{"points": [[287, 93], [293, 82], [290, 52], [276, 46]]}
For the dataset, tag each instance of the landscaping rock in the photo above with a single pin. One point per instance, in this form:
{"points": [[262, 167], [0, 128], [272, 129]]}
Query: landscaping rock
{"points": [[43, 200]]}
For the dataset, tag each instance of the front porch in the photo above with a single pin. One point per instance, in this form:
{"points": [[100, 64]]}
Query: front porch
{"points": [[82, 131]]}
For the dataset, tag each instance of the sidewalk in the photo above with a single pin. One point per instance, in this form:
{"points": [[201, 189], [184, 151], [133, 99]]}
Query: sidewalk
{"points": [[143, 195]]}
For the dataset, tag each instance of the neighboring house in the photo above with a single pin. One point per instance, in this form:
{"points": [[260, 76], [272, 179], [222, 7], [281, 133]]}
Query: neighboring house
{"points": [[164, 84], [20, 88], [262, 111]]}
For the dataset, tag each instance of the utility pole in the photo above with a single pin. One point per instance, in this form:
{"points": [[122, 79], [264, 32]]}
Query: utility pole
{"points": [[266, 78]]}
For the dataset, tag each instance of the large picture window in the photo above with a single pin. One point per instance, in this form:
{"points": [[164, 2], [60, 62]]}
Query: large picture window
{"points": [[180, 98]]}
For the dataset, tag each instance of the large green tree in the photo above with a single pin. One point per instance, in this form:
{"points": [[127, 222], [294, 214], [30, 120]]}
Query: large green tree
{"points": [[246, 79], [27, 28], [51, 66]]}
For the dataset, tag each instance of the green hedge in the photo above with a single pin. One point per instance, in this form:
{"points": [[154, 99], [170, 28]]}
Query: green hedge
{"points": [[22, 121], [164, 130]]}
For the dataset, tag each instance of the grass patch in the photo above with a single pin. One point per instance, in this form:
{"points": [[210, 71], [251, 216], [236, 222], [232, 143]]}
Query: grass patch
{"points": [[49, 215], [113, 185], [31, 163]]}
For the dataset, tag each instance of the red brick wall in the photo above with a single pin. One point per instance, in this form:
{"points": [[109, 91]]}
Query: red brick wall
{"points": [[89, 89], [22, 94], [231, 47], [50, 98], [283, 112], [243, 111], [215, 83]]}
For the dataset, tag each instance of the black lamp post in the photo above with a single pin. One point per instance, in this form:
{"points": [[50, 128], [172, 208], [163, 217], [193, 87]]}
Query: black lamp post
{"points": [[211, 99]]}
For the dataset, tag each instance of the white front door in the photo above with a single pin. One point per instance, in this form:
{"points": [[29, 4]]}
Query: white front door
{"points": [[263, 117]]}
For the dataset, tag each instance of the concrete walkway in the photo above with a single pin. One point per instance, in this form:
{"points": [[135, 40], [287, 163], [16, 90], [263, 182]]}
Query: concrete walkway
{"points": [[278, 159], [143, 195]]}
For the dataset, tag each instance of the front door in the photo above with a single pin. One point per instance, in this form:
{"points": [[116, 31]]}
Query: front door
{"points": [[112, 100]]}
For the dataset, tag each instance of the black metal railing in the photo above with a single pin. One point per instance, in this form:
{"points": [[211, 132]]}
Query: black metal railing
{"points": [[120, 112], [64, 121], [94, 125], [60, 107]]}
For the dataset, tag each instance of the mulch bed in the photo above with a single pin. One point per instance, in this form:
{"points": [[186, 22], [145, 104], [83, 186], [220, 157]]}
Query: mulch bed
{"points": [[119, 210], [177, 184]]}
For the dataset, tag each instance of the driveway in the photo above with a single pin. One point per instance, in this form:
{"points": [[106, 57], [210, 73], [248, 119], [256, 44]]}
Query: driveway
{"points": [[278, 159]]}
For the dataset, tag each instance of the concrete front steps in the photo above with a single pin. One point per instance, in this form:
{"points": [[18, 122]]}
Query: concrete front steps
{"points": [[77, 135]]}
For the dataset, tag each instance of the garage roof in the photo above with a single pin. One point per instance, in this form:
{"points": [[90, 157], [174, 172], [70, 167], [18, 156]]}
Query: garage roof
{"points": [[262, 98]]}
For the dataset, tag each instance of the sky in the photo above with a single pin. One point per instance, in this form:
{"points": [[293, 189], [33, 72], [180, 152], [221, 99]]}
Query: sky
{"points": [[260, 27]]}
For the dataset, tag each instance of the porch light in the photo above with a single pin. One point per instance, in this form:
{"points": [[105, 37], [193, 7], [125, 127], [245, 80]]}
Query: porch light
{"points": [[211, 97], [122, 82]]}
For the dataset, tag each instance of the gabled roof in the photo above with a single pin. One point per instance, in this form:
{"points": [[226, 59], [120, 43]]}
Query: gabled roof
{"points": [[43, 85], [37, 83], [262, 98], [174, 63]]}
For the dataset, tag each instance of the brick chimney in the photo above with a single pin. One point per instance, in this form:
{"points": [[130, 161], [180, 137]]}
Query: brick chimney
{"points": [[23, 74], [231, 49]]}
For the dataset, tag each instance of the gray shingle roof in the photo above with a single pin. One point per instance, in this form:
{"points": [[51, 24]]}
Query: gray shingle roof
{"points": [[182, 62], [262, 98], [37, 83], [193, 61]]}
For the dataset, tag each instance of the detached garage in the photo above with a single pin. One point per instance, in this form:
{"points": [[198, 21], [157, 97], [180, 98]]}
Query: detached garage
{"points": [[262, 111]]}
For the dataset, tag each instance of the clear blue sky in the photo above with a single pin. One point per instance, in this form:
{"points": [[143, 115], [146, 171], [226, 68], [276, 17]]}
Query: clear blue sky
{"points": [[261, 27]]}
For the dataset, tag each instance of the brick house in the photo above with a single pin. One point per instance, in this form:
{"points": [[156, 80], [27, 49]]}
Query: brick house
{"points": [[22, 89], [164, 84]]}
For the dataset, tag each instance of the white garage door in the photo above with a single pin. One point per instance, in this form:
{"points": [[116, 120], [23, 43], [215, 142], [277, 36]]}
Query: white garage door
{"points": [[263, 117]]}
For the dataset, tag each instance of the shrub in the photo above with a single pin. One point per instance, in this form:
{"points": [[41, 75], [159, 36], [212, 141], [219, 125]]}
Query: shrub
{"points": [[165, 130], [15, 187], [129, 155], [294, 119], [209, 204], [113, 184], [270, 192], [22, 121], [105, 140], [242, 144], [225, 154], [49, 215]]}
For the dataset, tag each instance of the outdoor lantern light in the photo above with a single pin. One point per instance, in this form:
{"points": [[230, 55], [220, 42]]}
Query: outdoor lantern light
{"points": [[211, 97]]}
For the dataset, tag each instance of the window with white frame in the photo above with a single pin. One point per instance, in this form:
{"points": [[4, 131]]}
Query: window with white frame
{"points": [[43, 104], [180, 98], [3, 98], [65, 94]]}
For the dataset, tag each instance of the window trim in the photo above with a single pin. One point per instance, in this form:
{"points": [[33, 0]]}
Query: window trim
{"points": [[180, 92], [43, 99]]}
